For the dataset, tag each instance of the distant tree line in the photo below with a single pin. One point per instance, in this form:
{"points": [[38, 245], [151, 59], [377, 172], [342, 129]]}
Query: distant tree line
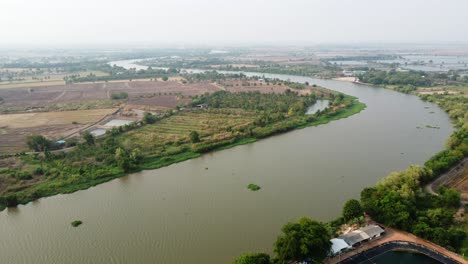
{"points": [[394, 77]]}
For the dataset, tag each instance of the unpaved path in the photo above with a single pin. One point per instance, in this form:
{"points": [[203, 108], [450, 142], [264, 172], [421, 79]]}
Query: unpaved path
{"points": [[451, 174], [59, 96]]}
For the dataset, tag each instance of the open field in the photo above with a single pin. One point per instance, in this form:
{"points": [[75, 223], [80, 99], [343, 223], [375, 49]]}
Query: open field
{"points": [[15, 128], [176, 129], [38, 98], [31, 84], [53, 78], [444, 89]]}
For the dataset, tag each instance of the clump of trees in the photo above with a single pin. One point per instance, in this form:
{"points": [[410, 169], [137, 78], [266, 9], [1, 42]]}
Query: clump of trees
{"points": [[38, 143], [394, 77], [119, 73], [305, 240], [399, 201], [352, 209], [89, 138], [149, 118], [268, 103], [194, 137], [119, 96]]}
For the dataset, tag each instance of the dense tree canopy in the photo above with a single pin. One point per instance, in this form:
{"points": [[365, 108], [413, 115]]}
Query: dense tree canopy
{"points": [[304, 240], [38, 143], [88, 137], [253, 258], [352, 209], [394, 77]]}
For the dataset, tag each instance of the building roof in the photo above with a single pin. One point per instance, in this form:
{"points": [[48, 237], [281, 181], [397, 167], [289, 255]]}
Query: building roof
{"points": [[372, 230], [338, 244], [354, 237]]}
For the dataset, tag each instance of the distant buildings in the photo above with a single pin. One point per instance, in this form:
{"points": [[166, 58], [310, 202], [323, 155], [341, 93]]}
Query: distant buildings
{"points": [[355, 238], [352, 73]]}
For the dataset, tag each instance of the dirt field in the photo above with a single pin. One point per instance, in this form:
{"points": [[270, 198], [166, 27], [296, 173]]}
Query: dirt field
{"points": [[23, 99], [14, 128], [51, 102]]}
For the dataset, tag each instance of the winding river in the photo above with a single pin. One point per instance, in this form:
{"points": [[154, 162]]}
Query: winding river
{"points": [[185, 213]]}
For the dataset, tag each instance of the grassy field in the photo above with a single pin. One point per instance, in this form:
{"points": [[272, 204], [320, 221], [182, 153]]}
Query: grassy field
{"points": [[31, 84], [175, 130]]}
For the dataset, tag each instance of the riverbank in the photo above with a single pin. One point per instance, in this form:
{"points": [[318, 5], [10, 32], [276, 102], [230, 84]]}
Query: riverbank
{"points": [[68, 181], [443, 164]]}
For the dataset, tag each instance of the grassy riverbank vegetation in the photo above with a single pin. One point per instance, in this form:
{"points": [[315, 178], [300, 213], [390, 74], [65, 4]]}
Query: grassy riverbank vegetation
{"points": [[227, 120], [399, 199]]}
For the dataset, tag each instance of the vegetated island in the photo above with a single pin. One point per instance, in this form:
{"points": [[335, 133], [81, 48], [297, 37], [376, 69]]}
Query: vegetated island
{"points": [[242, 111], [253, 187], [76, 223]]}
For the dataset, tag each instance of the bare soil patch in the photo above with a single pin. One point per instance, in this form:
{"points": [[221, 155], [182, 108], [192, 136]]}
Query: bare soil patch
{"points": [[28, 98], [16, 127]]}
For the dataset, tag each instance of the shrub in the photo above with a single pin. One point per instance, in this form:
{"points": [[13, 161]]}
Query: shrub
{"points": [[23, 175], [253, 258], [149, 118], [118, 96]]}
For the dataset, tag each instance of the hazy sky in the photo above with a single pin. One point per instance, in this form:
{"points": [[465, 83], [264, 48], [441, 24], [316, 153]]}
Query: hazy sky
{"points": [[90, 22]]}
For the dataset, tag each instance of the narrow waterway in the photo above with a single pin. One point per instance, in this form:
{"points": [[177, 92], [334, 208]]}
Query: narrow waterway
{"points": [[186, 213]]}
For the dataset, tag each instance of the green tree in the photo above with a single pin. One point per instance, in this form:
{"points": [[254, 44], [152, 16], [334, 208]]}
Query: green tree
{"points": [[149, 118], [165, 78], [449, 197], [352, 209], [38, 143], [194, 137], [253, 258], [305, 240], [89, 138], [123, 160]]}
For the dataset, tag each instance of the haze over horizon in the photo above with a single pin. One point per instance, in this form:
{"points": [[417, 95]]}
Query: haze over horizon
{"points": [[204, 22]]}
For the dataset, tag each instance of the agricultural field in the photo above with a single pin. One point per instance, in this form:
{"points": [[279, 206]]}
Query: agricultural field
{"points": [[175, 130], [266, 87], [42, 98], [444, 89], [14, 128], [31, 79]]}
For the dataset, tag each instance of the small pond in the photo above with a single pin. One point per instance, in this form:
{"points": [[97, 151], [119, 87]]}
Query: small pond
{"points": [[320, 105], [98, 132], [118, 122]]}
